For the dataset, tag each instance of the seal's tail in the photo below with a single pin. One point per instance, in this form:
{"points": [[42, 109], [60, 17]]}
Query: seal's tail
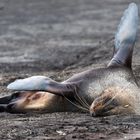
{"points": [[125, 37]]}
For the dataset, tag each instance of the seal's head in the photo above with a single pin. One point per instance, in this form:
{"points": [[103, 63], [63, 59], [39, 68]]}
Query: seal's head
{"points": [[113, 101]]}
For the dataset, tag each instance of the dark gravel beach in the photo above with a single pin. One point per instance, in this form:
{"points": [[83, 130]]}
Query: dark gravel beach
{"points": [[58, 38]]}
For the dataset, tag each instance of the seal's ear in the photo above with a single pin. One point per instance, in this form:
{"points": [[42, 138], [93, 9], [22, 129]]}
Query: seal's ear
{"points": [[41, 83], [125, 38]]}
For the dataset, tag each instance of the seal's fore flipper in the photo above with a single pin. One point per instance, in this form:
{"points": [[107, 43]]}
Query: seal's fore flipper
{"points": [[40, 83], [125, 37]]}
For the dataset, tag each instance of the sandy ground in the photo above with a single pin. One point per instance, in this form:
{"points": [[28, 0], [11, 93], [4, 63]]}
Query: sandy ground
{"points": [[58, 38]]}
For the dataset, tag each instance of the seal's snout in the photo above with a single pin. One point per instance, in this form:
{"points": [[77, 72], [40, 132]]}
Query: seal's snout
{"points": [[97, 110], [95, 113]]}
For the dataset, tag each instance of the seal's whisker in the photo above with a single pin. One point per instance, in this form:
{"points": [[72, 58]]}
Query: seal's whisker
{"points": [[84, 103], [83, 100], [78, 106], [80, 101], [84, 107]]}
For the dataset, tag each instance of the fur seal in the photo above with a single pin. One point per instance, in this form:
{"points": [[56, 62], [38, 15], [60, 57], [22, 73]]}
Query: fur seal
{"points": [[103, 91]]}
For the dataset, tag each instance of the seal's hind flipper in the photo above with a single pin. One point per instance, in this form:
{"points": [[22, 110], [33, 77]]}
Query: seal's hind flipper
{"points": [[125, 37], [40, 83]]}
